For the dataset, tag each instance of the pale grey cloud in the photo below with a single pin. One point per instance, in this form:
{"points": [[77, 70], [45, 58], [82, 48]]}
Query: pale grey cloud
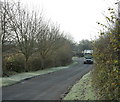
{"points": [[78, 17]]}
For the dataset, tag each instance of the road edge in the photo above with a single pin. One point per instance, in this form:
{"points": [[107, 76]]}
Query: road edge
{"points": [[71, 88]]}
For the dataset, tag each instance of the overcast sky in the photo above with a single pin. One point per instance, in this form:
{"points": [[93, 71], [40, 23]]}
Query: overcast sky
{"points": [[77, 17]]}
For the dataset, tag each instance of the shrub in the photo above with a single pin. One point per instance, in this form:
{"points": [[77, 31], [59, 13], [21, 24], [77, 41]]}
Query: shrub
{"points": [[49, 62], [63, 55], [106, 73], [14, 63], [34, 63]]}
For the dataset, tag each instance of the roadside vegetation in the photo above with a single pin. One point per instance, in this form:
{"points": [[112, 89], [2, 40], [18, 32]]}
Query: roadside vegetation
{"points": [[32, 45], [106, 74], [103, 82], [29, 42], [19, 77], [82, 90]]}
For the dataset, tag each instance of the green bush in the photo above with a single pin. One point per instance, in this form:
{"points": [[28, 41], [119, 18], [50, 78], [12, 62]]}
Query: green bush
{"points": [[14, 63], [34, 63], [49, 62], [63, 55], [106, 73]]}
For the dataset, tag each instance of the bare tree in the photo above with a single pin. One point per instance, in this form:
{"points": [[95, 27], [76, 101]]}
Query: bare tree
{"points": [[30, 33], [6, 34], [48, 41], [24, 26]]}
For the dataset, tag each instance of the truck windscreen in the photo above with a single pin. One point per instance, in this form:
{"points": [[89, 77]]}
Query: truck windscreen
{"points": [[88, 55]]}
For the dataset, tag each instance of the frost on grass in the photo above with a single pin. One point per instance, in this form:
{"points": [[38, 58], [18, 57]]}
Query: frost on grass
{"points": [[18, 77], [82, 90]]}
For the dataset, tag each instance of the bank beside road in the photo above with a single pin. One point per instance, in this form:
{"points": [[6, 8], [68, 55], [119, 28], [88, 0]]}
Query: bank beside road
{"points": [[82, 90]]}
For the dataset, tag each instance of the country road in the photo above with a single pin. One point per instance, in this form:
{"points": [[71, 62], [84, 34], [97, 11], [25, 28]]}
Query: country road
{"points": [[48, 86]]}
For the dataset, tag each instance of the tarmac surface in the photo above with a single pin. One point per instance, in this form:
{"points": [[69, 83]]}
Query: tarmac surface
{"points": [[50, 86]]}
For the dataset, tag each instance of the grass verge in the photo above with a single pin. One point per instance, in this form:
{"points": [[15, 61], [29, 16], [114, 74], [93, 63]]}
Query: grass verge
{"points": [[82, 90], [6, 81]]}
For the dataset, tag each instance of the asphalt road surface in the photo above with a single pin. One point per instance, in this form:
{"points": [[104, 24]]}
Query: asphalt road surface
{"points": [[48, 86]]}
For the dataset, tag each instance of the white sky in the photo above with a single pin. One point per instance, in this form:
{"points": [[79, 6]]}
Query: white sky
{"points": [[77, 17]]}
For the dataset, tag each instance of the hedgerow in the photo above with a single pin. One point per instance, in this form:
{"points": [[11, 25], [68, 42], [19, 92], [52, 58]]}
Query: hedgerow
{"points": [[106, 75]]}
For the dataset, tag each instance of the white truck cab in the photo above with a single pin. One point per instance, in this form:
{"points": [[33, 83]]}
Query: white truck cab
{"points": [[88, 58]]}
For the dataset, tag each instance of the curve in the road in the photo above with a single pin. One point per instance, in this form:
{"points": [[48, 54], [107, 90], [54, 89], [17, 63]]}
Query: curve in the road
{"points": [[46, 87]]}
